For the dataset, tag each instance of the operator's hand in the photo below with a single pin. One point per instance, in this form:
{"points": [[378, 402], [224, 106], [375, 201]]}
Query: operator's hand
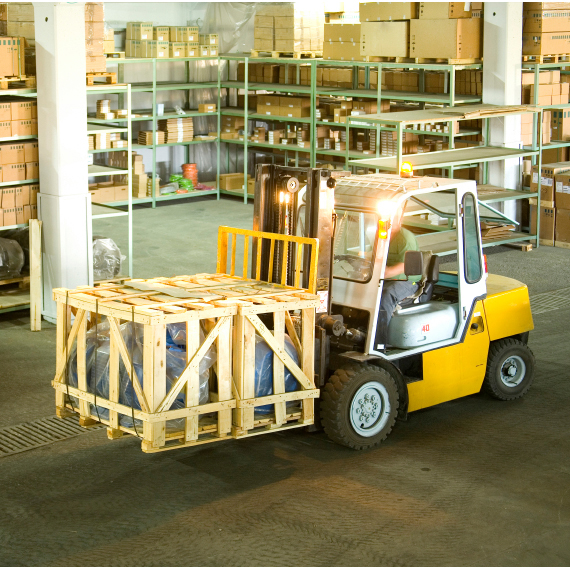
{"points": [[393, 270]]}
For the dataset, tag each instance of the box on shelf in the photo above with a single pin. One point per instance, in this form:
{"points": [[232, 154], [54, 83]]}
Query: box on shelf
{"points": [[13, 173], [12, 153], [161, 33], [208, 39], [387, 11], [177, 49], [546, 43], [32, 170], [547, 223], [560, 124], [207, 108], [94, 12], [12, 57], [548, 174], [94, 31], [9, 216], [443, 10], [546, 21], [139, 31], [544, 77], [562, 191], [342, 51], [8, 197], [21, 110], [446, 39], [5, 129], [342, 33], [23, 128], [232, 181], [388, 39], [562, 230], [96, 64]]}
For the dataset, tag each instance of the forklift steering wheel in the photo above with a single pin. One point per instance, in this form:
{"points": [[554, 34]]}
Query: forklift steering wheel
{"points": [[358, 263]]}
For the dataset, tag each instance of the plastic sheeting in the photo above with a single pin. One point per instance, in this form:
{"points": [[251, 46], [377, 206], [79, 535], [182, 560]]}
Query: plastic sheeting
{"points": [[22, 236], [11, 258], [98, 368], [107, 258]]}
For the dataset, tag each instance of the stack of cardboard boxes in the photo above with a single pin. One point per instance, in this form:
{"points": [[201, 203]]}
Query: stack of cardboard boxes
{"points": [[95, 37], [289, 27], [18, 117], [17, 27], [552, 89], [469, 82], [545, 28], [446, 30], [147, 41], [554, 204], [342, 42], [342, 12], [18, 162]]}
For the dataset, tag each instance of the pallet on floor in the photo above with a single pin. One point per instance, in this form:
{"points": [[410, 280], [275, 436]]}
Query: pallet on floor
{"points": [[522, 246], [219, 308], [287, 54], [556, 58], [15, 82], [108, 78], [386, 59], [115, 55]]}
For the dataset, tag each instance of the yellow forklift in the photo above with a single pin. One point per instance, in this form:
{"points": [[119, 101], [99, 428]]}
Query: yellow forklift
{"points": [[461, 331]]}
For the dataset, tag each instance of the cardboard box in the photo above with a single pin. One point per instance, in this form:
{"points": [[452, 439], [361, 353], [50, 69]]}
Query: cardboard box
{"points": [[140, 31], [23, 128], [184, 34], [446, 39], [19, 214], [342, 51], [27, 209], [263, 22], [161, 33], [94, 31], [14, 172], [548, 174], [1, 217], [12, 153], [207, 108], [5, 112], [388, 39], [6, 129], [342, 32], [21, 110], [31, 152], [94, 12], [562, 191], [546, 21], [296, 112], [547, 43], [232, 181], [32, 170], [9, 216], [544, 77], [562, 229], [95, 64], [8, 198], [12, 56], [387, 11], [443, 10], [204, 51], [291, 102], [560, 124], [547, 223], [208, 39], [177, 49]]}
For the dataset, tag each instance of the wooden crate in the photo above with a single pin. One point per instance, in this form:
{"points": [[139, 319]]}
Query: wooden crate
{"points": [[228, 306]]}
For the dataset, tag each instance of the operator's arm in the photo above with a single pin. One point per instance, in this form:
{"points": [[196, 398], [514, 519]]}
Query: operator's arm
{"points": [[392, 270]]}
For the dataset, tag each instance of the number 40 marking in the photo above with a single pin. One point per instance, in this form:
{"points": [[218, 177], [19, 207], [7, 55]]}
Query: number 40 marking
{"points": [[425, 328]]}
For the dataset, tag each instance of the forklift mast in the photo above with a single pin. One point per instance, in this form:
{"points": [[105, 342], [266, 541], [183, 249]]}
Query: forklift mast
{"points": [[296, 201]]}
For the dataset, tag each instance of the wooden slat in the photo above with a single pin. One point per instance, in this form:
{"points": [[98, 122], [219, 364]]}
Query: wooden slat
{"points": [[63, 319], [280, 352], [154, 380], [292, 333], [271, 257], [298, 259], [278, 367], [113, 380], [65, 354], [258, 260], [114, 330], [224, 377], [84, 410], [308, 360], [245, 254], [193, 384], [233, 255], [284, 263], [35, 275]]}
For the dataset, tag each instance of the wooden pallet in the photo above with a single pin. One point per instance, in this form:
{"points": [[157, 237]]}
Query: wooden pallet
{"points": [[523, 246], [445, 61], [385, 59], [109, 78], [287, 54], [228, 308], [546, 58], [15, 82], [23, 282], [115, 55]]}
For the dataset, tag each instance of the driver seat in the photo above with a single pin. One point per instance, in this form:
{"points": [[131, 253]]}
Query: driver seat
{"points": [[430, 276]]}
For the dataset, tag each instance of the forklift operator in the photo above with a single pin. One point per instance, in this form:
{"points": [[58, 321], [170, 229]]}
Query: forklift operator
{"points": [[396, 285]]}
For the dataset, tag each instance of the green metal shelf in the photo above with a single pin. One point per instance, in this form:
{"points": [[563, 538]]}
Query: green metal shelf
{"points": [[19, 92], [430, 98], [277, 87], [99, 211], [260, 117], [147, 116], [164, 198], [14, 227], [102, 170], [20, 138], [182, 143], [98, 128], [171, 86], [287, 147], [17, 182]]}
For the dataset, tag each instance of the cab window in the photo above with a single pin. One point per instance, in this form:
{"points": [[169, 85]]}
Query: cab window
{"points": [[471, 247], [354, 244]]}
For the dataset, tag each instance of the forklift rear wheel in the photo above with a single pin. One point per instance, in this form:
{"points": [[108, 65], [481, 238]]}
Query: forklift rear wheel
{"points": [[359, 406], [510, 369]]}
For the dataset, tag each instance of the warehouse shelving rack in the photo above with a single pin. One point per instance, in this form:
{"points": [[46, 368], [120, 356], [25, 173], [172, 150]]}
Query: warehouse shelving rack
{"points": [[150, 115], [397, 122], [101, 211], [449, 98], [30, 94]]}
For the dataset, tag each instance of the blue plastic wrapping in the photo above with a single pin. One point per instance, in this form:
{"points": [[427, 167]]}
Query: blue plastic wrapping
{"points": [[98, 368], [264, 372]]}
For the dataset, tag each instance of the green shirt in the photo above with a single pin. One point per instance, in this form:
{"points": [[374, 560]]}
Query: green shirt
{"points": [[403, 241]]}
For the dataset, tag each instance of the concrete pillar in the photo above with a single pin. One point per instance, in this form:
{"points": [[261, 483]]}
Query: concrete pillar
{"points": [[63, 202], [502, 57]]}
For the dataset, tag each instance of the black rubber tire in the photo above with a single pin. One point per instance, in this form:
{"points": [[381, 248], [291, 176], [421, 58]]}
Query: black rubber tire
{"points": [[499, 351], [336, 398]]}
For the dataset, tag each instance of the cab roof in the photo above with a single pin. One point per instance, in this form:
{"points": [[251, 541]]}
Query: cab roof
{"points": [[364, 191]]}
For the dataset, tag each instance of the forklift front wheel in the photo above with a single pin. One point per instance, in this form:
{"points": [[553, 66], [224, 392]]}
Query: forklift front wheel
{"points": [[359, 406], [510, 369]]}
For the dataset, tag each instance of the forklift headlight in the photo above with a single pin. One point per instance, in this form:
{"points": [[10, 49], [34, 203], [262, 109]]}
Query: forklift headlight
{"points": [[386, 210]]}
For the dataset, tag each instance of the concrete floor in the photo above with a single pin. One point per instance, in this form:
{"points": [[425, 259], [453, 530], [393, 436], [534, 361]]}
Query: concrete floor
{"points": [[469, 482]]}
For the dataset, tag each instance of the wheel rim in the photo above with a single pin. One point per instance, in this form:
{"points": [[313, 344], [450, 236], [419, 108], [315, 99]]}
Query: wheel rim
{"points": [[370, 409], [513, 371]]}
